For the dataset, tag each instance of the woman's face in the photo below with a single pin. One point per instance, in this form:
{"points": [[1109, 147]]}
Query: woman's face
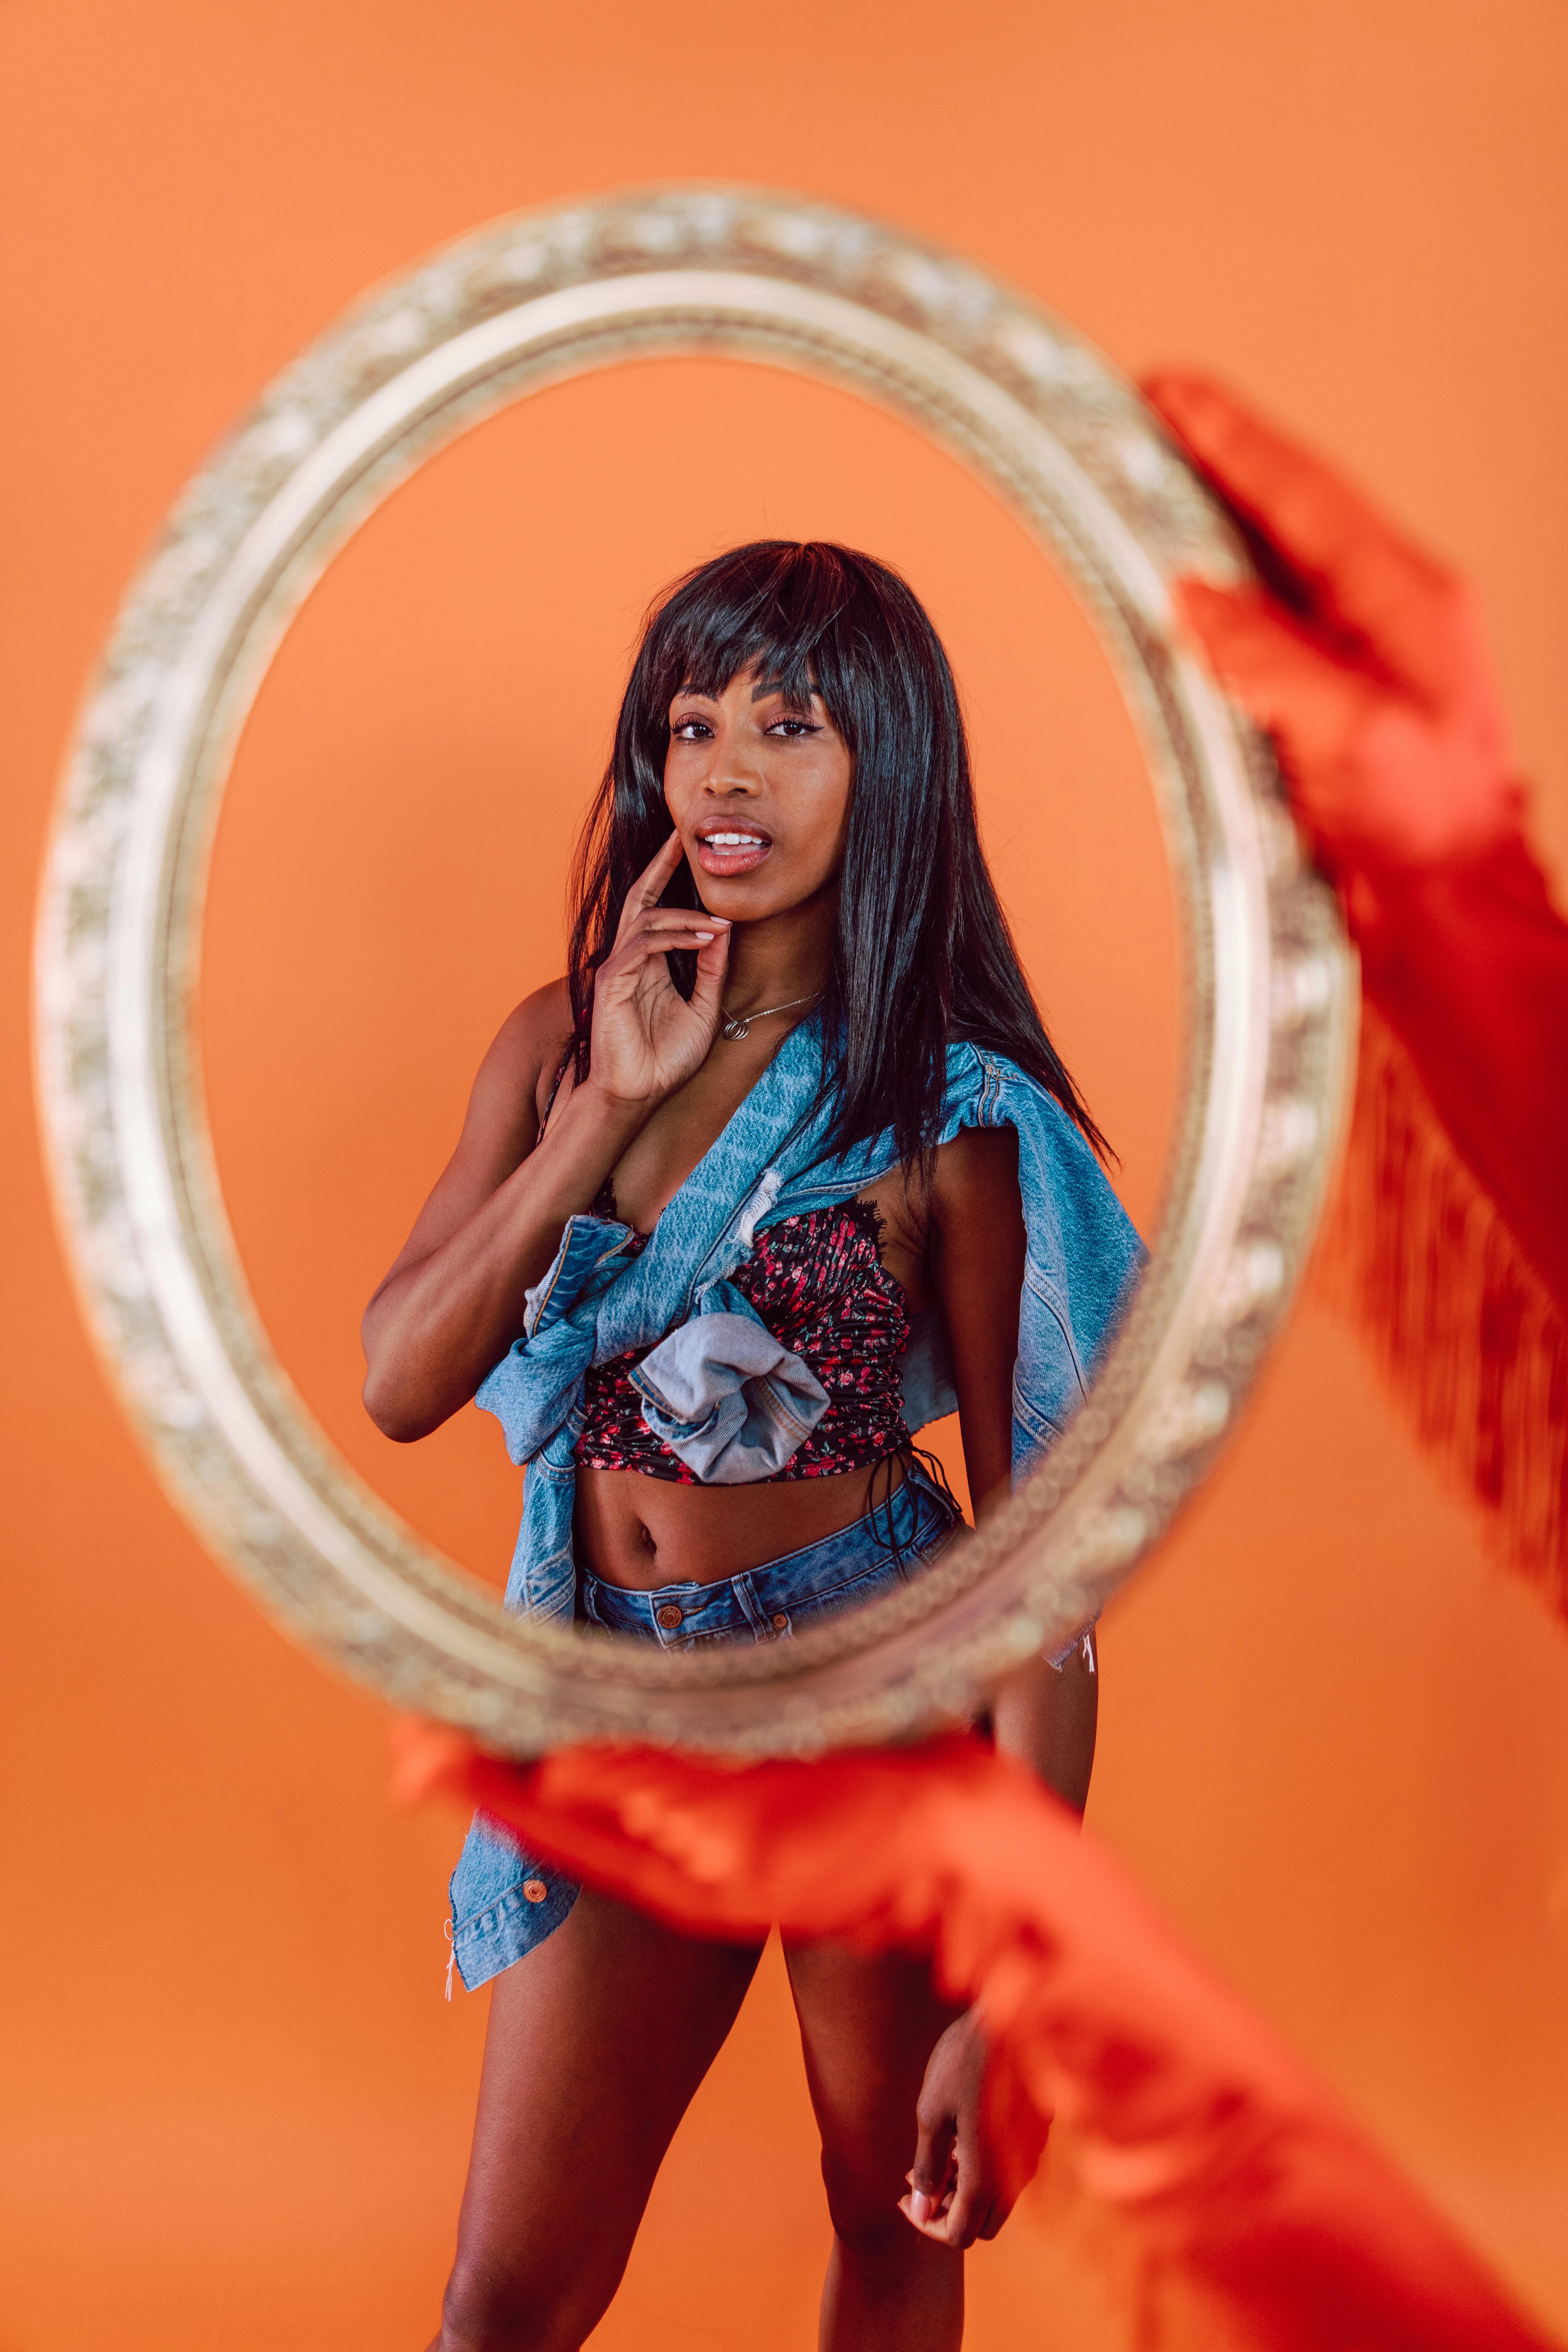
{"points": [[760, 794]]}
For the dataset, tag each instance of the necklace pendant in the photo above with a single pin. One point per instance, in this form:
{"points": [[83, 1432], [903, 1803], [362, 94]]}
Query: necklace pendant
{"points": [[736, 1030]]}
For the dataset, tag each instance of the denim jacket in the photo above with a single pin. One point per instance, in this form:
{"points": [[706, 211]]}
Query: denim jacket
{"points": [[723, 1392], [597, 1299]]}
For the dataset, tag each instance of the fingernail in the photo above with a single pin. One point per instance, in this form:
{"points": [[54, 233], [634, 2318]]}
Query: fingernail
{"points": [[920, 2205], [706, 935]]}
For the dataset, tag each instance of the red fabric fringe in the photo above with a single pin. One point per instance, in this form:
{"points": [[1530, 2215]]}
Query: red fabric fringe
{"points": [[1236, 2181], [1367, 662], [1464, 1328]]}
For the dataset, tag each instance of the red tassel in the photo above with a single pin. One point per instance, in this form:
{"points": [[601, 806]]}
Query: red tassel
{"points": [[1465, 1332]]}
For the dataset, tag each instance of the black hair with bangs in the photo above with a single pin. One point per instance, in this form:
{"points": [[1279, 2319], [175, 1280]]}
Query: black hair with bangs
{"points": [[923, 953]]}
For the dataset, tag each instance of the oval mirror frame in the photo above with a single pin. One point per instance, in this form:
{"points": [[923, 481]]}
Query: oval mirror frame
{"points": [[1270, 985]]}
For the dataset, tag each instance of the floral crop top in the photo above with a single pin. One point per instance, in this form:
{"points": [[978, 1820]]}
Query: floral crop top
{"points": [[819, 1285]]}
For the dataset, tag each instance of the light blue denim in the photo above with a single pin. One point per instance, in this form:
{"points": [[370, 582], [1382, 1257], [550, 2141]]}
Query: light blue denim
{"points": [[513, 1900], [598, 1299], [875, 1553], [725, 1395]]}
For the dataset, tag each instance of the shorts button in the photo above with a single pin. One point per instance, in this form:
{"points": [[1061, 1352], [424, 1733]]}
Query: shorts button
{"points": [[534, 1890], [669, 1616], [781, 1623]]}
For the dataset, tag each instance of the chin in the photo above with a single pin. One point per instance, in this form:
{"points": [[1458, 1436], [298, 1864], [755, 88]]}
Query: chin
{"points": [[740, 899]]}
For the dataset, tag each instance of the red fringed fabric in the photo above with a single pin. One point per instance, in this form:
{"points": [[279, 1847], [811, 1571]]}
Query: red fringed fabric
{"points": [[1463, 1327], [1467, 961], [1229, 2169], [1367, 662]]}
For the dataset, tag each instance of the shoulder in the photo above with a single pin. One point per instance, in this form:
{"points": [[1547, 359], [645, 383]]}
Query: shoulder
{"points": [[985, 1089], [976, 1170], [524, 1058], [1065, 1188]]}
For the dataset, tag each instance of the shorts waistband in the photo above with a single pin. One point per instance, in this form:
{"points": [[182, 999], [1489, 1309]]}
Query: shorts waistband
{"points": [[875, 1552]]}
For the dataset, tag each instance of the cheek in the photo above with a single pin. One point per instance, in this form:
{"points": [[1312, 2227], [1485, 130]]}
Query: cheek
{"points": [[677, 785], [819, 827]]}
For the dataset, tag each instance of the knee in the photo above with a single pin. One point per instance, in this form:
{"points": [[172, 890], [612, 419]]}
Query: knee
{"points": [[865, 2212], [491, 2309]]}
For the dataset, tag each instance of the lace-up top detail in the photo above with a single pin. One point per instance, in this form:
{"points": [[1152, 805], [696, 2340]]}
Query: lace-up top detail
{"points": [[819, 1285]]}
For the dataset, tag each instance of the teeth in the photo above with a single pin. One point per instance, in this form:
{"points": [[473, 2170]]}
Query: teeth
{"points": [[733, 840]]}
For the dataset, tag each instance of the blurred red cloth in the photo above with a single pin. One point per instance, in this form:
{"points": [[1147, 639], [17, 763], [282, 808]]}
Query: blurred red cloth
{"points": [[1468, 962], [1366, 662], [1228, 2164]]}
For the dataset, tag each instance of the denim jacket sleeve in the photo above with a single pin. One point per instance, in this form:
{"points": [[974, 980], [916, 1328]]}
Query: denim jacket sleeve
{"points": [[725, 1395], [540, 1379], [1082, 1260]]}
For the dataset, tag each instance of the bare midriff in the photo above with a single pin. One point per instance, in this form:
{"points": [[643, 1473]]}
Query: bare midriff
{"points": [[641, 1533]]}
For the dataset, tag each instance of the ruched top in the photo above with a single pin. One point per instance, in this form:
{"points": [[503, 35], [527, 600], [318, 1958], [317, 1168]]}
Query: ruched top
{"points": [[818, 1282]]}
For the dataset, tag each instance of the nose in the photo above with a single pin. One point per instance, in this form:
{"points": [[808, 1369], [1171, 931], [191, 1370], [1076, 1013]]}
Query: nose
{"points": [[732, 770]]}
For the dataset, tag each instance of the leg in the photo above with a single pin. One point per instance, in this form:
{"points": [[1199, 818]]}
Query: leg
{"points": [[598, 2040], [868, 2026]]}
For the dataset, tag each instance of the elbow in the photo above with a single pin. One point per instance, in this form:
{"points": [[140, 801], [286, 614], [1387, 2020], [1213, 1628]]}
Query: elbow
{"points": [[395, 1413], [386, 1393]]}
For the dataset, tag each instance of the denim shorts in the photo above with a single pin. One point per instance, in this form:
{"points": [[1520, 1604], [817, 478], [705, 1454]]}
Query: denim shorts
{"points": [[504, 1902]]}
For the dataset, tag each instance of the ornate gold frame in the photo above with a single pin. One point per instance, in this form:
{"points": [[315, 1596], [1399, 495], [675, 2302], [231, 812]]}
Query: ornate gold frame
{"points": [[1049, 423]]}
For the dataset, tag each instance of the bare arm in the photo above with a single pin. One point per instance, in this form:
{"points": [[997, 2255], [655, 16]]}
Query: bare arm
{"points": [[452, 1303], [1043, 1714]]}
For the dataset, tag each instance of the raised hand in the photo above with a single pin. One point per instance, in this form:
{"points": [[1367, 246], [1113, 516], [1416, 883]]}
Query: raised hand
{"points": [[1373, 678], [646, 1038]]}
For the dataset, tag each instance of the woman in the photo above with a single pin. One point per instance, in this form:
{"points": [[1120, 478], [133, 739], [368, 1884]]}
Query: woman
{"points": [[784, 1167]]}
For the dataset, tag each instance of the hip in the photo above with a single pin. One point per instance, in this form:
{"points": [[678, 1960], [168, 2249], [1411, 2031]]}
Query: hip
{"points": [[881, 1546]]}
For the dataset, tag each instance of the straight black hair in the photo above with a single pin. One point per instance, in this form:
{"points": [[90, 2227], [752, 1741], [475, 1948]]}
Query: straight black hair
{"points": [[923, 953]]}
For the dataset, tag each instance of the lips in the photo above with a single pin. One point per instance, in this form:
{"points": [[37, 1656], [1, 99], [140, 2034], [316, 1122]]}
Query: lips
{"points": [[725, 849]]}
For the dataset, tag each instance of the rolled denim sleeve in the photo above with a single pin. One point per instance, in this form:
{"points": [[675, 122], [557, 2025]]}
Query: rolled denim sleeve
{"points": [[537, 1382]]}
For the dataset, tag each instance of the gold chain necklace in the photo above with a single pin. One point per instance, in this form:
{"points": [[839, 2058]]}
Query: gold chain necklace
{"points": [[736, 1026]]}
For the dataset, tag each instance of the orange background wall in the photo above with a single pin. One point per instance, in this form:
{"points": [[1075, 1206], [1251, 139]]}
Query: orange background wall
{"points": [[234, 2106]]}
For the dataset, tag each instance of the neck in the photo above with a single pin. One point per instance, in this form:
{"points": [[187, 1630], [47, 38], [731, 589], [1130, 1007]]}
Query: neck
{"points": [[781, 958]]}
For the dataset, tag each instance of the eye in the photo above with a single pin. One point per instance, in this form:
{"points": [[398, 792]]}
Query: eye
{"points": [[690, 730], [791, 728]]}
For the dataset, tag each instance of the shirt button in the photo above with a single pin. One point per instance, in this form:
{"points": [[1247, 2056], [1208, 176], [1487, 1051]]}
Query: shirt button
{"points": [[669, 1616], [781, 1623], [534, 1890]]}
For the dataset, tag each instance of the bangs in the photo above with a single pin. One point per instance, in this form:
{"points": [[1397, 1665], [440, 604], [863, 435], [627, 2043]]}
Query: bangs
{"points": [[776, 607]]}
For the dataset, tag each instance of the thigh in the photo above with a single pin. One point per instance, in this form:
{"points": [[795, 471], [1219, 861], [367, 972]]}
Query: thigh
{"points": [[596, 2042], [867, 2025]]}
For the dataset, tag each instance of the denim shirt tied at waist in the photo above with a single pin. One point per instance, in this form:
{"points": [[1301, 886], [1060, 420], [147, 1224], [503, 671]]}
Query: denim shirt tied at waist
{"points": [[732, 1403]]}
